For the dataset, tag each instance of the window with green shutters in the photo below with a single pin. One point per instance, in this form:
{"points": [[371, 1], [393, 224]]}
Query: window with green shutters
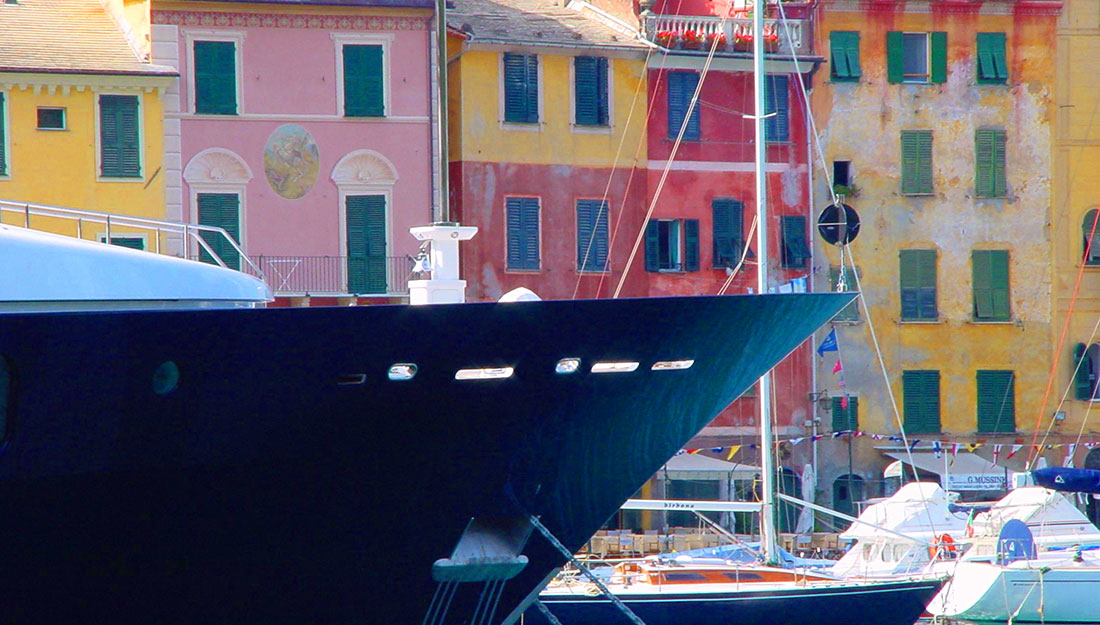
{"points": [[989, 158], [777, 105], [592, 235], [221, 210], [916, 162], [364, 81], [918, 285], [845, 413], [916, 57], [851, 311], [216, 77], [590, 98], [663, 250], [119, 137], [992, 64], [921, 401], [523, 233], [130, 241], [991, 293], [366, 243], [681, 88], [1090, 230], [1085, 371], [844, 56], [996, 401], [521, 88], [728, 218], [795, 249], [3, 137]]}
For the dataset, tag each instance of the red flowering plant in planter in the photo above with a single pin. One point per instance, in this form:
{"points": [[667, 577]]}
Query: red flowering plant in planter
{"points": [[692, 39], [742, 42], [666, 38], [771, 42], [720, 38]]}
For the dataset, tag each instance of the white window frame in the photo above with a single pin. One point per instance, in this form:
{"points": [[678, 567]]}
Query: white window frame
{"points": [[536, 127], [5, 115], [64, 117], [505, 203], [912, 80], [233, 36], [141, 137], [589, 130], [339, 40]]}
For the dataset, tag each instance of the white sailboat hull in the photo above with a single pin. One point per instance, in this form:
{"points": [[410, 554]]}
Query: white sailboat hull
{"points": [[1028, 591]]}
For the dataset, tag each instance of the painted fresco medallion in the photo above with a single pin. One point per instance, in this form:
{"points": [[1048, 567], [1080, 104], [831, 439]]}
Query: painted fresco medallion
{"points": [[291, 161]]}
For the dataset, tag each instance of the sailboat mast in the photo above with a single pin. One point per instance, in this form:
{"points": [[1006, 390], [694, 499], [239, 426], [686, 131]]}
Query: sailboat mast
{"points": [[767, 464], [443, 213]]}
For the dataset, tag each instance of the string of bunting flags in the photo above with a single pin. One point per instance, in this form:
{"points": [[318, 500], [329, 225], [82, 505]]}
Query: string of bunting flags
{"points": [[937, 447]]}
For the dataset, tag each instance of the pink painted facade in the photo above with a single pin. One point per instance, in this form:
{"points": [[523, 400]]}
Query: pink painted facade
{"points": [[290, 83]]}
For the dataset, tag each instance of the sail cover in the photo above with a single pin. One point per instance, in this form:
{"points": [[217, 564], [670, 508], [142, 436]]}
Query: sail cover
{"points": [[1068, 480]]}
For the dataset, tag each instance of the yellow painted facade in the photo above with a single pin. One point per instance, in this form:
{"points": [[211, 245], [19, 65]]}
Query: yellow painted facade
{"points": [[60, 167], [861, 122], [1076, 182], [478, 133]]}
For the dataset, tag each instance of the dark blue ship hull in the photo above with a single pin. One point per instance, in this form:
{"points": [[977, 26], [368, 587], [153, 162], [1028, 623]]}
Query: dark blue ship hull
{"points": [[893, 603], [262, 490]]}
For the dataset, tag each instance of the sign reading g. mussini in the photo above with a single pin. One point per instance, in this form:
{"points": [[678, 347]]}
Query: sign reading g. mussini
{"points": [[976, 482]]}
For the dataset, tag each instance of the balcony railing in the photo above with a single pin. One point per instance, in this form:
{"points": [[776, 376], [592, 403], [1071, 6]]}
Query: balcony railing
{"points": [[735, 30], [336, 275]]}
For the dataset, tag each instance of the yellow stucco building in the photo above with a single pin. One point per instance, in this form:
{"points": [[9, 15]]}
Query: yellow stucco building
{"points": [[938, 122], [80, 111], [547, 115], [1076, 182]]}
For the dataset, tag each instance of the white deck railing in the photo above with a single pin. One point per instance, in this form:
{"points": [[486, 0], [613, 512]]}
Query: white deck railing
{"points": [[708, 26]]}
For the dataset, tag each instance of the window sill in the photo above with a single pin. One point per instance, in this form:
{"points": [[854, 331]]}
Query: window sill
{"points": [[921, 322], [594, 272], [1006, 433], [214, 115], [833, 80], [523, 271], [130, 179], [52, 129], [990, 83], [382, 116], [993, 322], [920, 194], [591, 130], [522, 126]]}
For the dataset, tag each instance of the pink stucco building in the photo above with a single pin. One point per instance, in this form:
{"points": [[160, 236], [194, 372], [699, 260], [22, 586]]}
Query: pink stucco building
{"points": [[305, 130]]}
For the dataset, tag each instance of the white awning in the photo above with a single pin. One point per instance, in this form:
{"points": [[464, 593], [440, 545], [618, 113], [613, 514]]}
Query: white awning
{"points": [[964, 471], [700, 467]]}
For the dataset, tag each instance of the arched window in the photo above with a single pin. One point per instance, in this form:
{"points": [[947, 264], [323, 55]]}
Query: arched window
{"points": [[1090, 227], [1086, 362], [846, 493]]}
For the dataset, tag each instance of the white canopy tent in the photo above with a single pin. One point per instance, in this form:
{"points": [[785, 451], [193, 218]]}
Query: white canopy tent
{"points": [[964, 471], [700, 467]]}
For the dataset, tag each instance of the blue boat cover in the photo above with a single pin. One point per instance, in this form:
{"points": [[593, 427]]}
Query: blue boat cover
{"points": [[1068, 480], [1015, 543]]}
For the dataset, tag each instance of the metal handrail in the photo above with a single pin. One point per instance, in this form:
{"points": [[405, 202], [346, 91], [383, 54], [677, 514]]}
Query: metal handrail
{"points": [[189, 232]]}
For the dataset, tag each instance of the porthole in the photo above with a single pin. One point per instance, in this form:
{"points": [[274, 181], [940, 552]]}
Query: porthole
{"points": [[402, 372], [614, 367], [484, 373], [671, 365], [166, 378], [566, 366]]}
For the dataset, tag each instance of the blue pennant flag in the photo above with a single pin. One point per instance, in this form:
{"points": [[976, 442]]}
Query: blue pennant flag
{"points": [[829, 344]]}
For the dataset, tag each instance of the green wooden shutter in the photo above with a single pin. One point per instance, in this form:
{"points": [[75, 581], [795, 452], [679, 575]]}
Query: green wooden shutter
{"points": [[523, 233], [776, 100], [691, 245], [681, 88], [844, 53], [1083, 373], [795, 249], [515, 88], [1090, 228], [926, 266], [364, 84], [532, 84], [3, 141], [916, 161], [996, 401], [216, 77], [991, 285], [590, 90], [939, 57], [895, 56], [221, 210], [845, 419], [918, 285], [983, 292], [366, 243], [652, 246], [592, 233], [119, 144], [1000, 182], [989, 158], [924, 159], [992, 62], [513, 206], [531, 233], [727, 221], [921, 401]]}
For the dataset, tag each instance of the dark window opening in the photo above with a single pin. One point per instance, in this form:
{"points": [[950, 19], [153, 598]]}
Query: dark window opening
{"points": [[51, 119], [842, 173]]}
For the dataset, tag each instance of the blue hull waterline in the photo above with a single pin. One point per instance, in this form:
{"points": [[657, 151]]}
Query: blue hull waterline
{"points": [[894, 603], [287, 479]]}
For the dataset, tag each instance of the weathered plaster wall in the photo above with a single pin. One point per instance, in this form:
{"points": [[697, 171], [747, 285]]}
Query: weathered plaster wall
{"points": [[861, 122]]}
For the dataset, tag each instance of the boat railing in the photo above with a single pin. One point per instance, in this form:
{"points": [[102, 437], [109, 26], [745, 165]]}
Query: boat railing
{"points": [[172, 238]]}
